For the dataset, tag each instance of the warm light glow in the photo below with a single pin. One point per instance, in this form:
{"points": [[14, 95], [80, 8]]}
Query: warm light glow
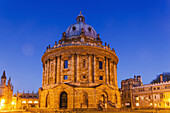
{"points": [[151, 104], [142, 98], [137, 98], [155, 104], [23, 102], [29, 101], [35, 102], [137, 104], [12, 103], [2, 103]]}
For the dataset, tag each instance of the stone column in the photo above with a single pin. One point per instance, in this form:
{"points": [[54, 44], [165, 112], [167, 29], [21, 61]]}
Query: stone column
{"points": [[104, 68], [58, 68], [61, 69], [110, 70], [115, 73], [107, 71], [54, 70], [48, 61], [73, 68], [90, 69], [78, 68], [95, 68], [43, 75]]}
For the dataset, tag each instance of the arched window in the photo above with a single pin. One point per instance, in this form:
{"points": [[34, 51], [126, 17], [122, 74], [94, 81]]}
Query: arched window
{"points": [[63, 100], [47, 100]]}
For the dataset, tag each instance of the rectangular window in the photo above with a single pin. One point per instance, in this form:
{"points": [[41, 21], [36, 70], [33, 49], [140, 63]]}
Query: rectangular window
{"points": [[65, 64], [100, 65], [65, 77], [100, 77]]}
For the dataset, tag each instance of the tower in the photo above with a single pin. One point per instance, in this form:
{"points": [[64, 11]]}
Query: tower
{"points": [[3, 79]]}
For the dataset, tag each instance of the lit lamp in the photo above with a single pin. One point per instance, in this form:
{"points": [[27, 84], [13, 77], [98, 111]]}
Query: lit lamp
{"points": [[2, 103], [12, 103]]}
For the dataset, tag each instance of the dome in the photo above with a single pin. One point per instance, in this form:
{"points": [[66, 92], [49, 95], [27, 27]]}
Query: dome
{"points": [[76, 29]]}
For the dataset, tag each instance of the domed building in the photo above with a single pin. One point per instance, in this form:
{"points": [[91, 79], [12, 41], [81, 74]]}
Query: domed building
{"points": [[79, 72]]}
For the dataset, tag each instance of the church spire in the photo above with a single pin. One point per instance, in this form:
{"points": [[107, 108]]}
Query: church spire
{"points": [[3, 75]]}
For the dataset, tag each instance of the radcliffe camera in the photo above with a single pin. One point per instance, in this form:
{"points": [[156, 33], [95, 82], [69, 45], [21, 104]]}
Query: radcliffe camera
{"points": [[84, 56]]}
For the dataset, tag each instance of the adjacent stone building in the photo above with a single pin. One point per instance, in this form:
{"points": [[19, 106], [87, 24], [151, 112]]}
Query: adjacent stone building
{"points": [[6, 92], [79, 72], [155, 95], [27, 100], [139, 96], [126, 90]]}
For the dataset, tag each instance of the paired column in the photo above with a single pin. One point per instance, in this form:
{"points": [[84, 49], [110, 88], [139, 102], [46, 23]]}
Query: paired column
{"points": [[95, 66], [73, 68], [48, 65], [90, 69], [115, 73], [107, 71], [58, 68], [54, 70], [110, 70], [43, 75], [78, 68]]}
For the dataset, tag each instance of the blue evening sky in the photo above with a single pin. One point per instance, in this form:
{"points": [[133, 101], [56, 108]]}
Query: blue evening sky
{"points": [[139, 30]]}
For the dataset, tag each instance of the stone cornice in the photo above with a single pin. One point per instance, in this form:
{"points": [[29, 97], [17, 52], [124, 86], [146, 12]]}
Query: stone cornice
{"points": [[78, 49]]}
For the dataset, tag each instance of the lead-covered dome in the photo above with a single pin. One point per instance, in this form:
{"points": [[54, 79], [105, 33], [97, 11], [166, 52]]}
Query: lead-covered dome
{"points": [[80, 26]]}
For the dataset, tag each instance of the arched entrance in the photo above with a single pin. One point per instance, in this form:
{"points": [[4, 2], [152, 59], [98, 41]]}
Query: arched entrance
{"points": [[104, 97], [63, 100], [103, 100]]}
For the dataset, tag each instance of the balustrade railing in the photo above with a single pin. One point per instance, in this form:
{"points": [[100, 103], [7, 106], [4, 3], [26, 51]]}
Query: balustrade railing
{"points": [[69, 44]]}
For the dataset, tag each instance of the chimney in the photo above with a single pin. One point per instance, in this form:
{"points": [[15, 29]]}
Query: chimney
{"points": [[135, 77], [161, 78], [139, 78]]}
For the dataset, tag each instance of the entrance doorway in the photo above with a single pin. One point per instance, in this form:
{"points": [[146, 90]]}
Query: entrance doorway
{"points": [[63, 100]]}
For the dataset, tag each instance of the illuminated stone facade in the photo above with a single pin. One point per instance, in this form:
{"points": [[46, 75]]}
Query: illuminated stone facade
{"points": [[79, 72], [27, 100], [139, 96], [152, 96], [126, 90], [6, 92]]}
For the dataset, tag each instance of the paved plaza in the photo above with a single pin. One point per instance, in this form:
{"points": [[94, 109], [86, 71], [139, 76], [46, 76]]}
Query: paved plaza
{"points": [[132, 111]]}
